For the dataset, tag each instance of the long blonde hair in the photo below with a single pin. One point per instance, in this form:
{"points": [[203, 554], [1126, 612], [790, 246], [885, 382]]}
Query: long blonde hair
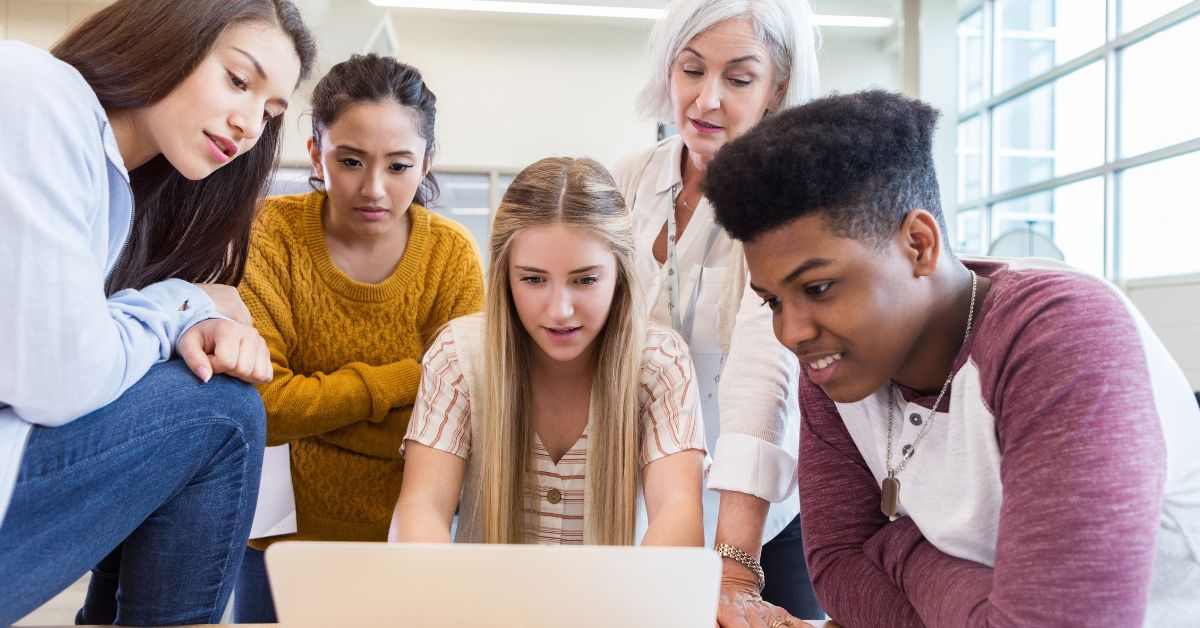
{"points": [[577, 193]]}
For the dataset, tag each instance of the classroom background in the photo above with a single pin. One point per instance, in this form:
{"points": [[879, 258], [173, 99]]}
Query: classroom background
{"points": [[1070, 128]]}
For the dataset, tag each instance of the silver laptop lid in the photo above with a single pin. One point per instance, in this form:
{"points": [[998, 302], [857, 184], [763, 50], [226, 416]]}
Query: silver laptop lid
{"points": [[461, 585]]}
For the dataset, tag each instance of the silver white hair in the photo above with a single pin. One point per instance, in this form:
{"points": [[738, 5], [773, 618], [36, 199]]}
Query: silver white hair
{"points": [[784, 26]]}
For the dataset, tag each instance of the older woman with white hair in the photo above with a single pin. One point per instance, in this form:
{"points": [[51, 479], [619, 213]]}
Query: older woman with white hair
{"points": [[719, 67]]}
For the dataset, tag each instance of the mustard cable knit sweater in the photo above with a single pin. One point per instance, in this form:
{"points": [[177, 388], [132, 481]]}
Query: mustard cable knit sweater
{"points": [[347, 357]]}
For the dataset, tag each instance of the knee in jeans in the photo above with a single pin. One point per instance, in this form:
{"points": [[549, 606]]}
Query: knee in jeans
{"points": [[228, 398]]}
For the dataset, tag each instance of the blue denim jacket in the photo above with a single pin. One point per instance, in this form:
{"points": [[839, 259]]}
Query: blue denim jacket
{"points": [[65, 213]]}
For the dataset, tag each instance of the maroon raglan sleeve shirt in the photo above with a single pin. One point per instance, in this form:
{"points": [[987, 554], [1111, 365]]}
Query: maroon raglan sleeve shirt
{"points": [[1041, 495]]}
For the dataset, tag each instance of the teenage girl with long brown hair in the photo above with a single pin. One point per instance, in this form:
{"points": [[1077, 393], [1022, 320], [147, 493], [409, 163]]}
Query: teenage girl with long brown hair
{"points": [[133, 155]]}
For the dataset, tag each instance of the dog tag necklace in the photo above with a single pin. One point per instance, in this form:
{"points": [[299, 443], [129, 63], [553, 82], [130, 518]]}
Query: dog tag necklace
{"points": [[889, 489]]}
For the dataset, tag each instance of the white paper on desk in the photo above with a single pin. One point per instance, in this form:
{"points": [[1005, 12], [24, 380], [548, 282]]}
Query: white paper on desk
{"points": [[276, 510]]}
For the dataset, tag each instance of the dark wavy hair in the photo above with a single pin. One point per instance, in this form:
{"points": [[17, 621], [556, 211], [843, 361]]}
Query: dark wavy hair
{"points": [[135, 52], [372, 78], [863, 160]]}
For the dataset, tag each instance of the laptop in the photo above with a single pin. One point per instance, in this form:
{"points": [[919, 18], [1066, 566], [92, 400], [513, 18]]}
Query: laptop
{"points": [[475, 586]]}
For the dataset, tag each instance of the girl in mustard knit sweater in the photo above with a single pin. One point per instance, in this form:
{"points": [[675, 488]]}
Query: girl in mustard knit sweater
{"points": [[348, 285]]}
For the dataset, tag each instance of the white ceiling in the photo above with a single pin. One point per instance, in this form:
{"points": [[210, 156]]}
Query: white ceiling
{"points": [[884, 8], [865, 8], [878, 8]]}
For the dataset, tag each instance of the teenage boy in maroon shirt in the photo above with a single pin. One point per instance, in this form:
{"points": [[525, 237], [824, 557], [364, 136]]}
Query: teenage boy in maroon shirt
{"points": [[1057, 482]]}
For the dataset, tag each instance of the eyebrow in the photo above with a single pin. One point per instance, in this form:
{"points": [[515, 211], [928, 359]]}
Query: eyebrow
{"points": [[359, 151], [261, 72], [533, 269], [730, 62], [812, 264]]}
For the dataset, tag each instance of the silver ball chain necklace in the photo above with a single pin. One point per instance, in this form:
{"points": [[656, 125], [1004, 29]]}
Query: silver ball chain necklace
{"points": [[890, 487]]}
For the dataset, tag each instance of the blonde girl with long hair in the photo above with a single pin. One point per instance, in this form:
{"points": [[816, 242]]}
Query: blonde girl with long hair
{"points": [[558, 416]]}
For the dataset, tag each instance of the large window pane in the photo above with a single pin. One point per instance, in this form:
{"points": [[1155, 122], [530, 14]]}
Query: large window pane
{"points": [[970, 60], [1159, 220], [1054, 130], [970, 159], [1033, 36], [1159, 105], [1066, 223], [1135, 13], [969, 236]]}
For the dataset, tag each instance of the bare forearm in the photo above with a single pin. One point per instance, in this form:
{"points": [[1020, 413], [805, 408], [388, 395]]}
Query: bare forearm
{"points": [[432, 484], [740, 521], [740, 524], [680, 523], [672, 487], [414, 524]]}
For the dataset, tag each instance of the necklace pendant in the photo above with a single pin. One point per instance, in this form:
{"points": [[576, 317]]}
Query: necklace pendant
{"points": [[890, 501]]}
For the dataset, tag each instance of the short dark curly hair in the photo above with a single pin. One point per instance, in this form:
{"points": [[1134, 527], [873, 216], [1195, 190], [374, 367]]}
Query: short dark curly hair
{"points": [[864, 160]]}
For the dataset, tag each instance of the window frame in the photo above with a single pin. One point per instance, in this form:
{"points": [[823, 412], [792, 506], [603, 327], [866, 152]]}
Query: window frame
{"points": [[1114, 164]]}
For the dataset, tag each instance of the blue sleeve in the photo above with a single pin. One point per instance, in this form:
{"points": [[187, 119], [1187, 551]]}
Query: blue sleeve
{"points": [[68, 349]]}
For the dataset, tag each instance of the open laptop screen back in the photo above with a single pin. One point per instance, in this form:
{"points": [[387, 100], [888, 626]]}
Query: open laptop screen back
{"points": [[458, 585]]}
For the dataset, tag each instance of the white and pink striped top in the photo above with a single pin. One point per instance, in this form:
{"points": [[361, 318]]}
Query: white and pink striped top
{"points": [[442, 419]]}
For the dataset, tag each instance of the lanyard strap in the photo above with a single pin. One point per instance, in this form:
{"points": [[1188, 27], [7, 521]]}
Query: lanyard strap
{"points": [[680, 321]]}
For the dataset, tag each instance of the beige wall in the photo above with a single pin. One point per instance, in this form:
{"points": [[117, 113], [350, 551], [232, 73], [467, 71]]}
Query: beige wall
{"points": [[853, 64], [41, 23], [513, 90]]}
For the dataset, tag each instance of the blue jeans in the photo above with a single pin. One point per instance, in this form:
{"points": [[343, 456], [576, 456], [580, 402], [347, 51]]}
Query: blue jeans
{"points": [[252, 601], [788, 583], [156, 491]]}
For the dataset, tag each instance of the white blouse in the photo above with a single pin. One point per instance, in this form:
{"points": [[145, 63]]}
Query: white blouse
{"points": [[748, 381]]}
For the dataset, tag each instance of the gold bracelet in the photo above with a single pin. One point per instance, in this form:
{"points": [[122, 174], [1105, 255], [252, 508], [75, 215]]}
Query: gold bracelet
{"points": [[745, 560]]}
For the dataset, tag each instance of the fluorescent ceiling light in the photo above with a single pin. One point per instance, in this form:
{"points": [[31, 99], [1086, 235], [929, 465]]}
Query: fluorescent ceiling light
{"points": [[528, 8], [595, 10], [853, 21]]}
